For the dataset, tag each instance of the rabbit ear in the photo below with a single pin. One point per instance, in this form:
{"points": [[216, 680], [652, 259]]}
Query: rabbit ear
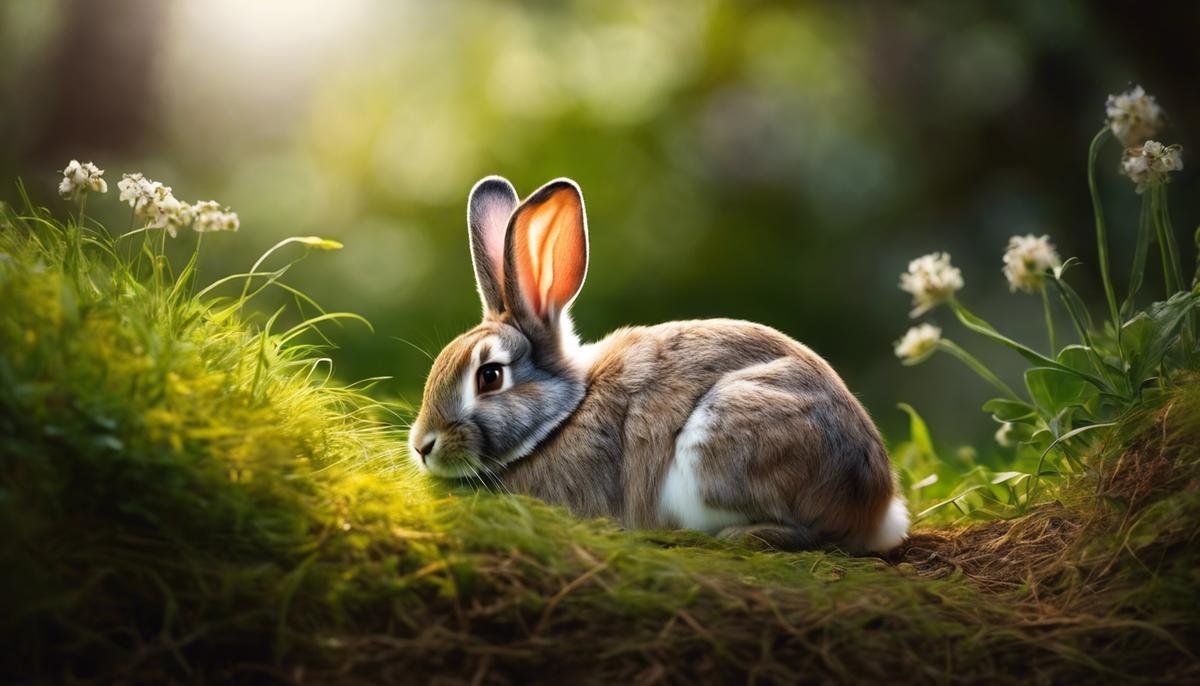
{"points": [[488, 209], [546, 254]]}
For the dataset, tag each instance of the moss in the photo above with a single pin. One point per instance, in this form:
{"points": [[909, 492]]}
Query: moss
{"points": [[186, 497]]}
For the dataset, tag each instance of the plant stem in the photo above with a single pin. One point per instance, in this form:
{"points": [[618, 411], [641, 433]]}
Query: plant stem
{"points": [[1168, 233], [1083, 326], [1168, 281], [196, 262], [1049, 321], [263, 258], [981, 327], [1196, 242], [77, 242], [159, 262], [1101, 232], [977, 367], [1188, 330], [1140, 251]]}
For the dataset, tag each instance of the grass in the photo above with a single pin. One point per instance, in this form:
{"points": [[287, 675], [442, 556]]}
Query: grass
{"points": [[187, 496]]}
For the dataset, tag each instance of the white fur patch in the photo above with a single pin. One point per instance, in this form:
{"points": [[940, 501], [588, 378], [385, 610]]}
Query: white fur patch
{"points": [[413, 454], [581, 355], [892, 530], [527, 446], [681, 500]]}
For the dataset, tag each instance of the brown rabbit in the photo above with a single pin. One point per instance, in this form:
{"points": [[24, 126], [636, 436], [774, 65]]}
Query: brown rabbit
{"points": [[722, 426]]}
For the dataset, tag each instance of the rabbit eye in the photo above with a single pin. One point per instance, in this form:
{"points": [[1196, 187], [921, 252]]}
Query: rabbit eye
{"points": [[490, 377]]}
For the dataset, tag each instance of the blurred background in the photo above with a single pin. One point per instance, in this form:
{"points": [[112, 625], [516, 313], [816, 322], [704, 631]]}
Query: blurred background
{"points": [[780, 162]]}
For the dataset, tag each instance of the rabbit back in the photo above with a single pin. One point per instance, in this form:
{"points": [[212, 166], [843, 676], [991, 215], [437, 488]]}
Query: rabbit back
{"points": [[710, 424]]}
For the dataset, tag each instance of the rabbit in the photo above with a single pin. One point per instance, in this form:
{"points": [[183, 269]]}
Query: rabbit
{"points": [[722, 426]]}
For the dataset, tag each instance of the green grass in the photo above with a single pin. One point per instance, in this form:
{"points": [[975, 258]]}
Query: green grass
{"points": [[187, 496]]}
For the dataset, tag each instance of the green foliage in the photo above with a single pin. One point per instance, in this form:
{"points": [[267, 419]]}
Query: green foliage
{"points": [[1082, 388], [186, 496]]}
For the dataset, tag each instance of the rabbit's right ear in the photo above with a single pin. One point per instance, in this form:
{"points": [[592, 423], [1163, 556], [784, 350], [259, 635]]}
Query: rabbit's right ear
{"points": [[489, 207]]}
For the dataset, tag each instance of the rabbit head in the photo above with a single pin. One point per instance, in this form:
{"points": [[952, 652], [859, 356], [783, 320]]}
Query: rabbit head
{"points": [[499, 389]]}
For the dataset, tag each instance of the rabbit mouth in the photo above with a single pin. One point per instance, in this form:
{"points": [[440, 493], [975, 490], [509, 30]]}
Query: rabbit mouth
{"points": [[456, 465]]}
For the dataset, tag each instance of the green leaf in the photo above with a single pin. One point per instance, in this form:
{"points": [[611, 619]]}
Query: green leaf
{"points": [[1006, 410], [1077, 357], [1054, 390], [1031, 485], [1196, 240], [1141, 249], [1011, 477], [1113, 379], [981, 327], [1022, 431], [1071, 300], [1151, 333], [949, 501], [918, 431], [1137, 335]]}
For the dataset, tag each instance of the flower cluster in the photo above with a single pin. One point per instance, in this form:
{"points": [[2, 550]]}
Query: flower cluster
{"points": [[931, 280], [155, 203], [918, 343], [141, 193], [1027, 260], [158, 206], [1150, 164], [209, 215], [79, 178], [1133, 116]]}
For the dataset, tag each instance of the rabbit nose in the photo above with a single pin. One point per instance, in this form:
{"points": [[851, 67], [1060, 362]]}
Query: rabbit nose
{"points": [[427, 447]]}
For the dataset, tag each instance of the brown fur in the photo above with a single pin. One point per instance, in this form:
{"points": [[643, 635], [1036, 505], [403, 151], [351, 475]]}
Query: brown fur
{"points": [[791, 444]]}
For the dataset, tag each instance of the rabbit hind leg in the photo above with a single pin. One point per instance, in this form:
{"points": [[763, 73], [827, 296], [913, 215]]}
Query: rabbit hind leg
{"points": [[770, 536]]}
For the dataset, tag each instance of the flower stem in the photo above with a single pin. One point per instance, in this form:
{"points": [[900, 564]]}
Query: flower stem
{"points": [[1167, 239], [305, 240], [1101, 232], [1140, 251], [1189, 321], [77, 246], [1049, 321], [160, 259], [985, 329], [1168, 285], [977, 367]]}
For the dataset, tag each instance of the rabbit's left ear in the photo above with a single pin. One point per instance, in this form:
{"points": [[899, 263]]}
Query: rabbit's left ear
{"points": [[546, 254], [489, 207]]}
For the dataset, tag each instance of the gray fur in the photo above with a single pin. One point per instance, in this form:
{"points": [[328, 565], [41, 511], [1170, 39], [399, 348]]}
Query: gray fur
{"points": [[491, 433]]}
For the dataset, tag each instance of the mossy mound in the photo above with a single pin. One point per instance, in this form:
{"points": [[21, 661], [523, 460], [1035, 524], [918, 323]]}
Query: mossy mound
{"points": [[187, 498]]}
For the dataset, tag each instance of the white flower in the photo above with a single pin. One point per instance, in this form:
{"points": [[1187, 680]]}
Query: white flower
{"points": [[1027, 260], [211, 216], [1004, 435], [1151, 164], [140, 192], [170, 214], [155, 203], [918, 343], [80, 178], [931, 280], [1133, 116]]}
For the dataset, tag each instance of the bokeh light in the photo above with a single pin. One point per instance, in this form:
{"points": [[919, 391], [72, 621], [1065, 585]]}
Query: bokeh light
{"points": [[768, 161]]}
